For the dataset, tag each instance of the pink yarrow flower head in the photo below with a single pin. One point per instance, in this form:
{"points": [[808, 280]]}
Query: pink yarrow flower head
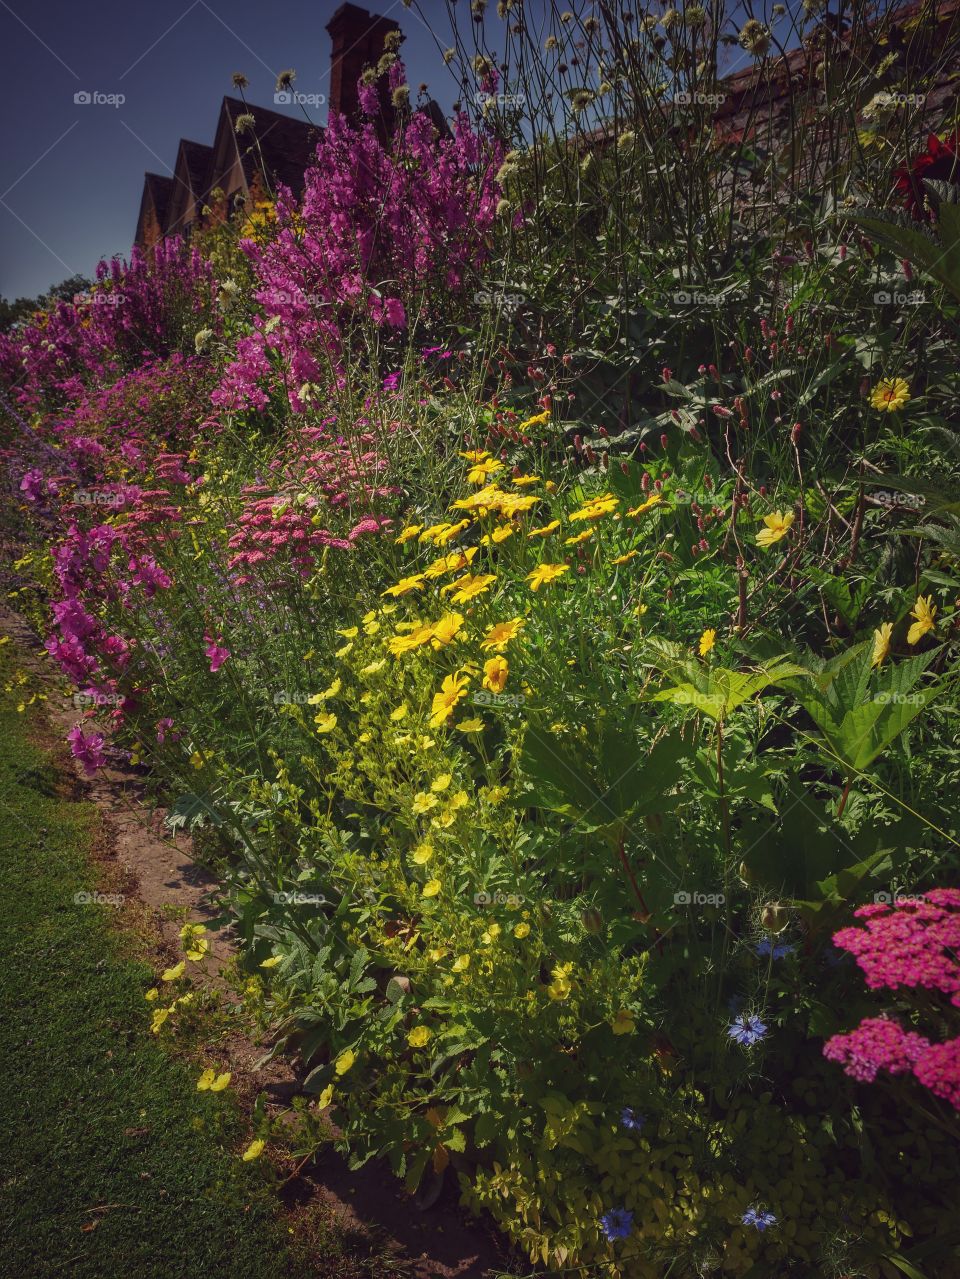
{"points": [[87, 749], [217, 653]]}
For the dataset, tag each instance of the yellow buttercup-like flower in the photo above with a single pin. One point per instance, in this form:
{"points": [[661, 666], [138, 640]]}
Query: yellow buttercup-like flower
{"points": [[406, 584], [924, 611], [419, 1037], [625, 559], [210, 1081], [495, 672], [470, 726], [470, 586], [431, 888], [408, 533], [778, 525], [545, 530], [546, 573], [707, 641], [654, 500], [254, 1150], [500, 635], [344, 1061], [890, 394], [452, 690], [622, 1023], [325, 723], [422, 853], [881, 643], [579, 537]]}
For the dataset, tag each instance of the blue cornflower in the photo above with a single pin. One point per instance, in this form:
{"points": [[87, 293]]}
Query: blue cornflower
{"points": [[747, 1029], [630, 1119], [767, 947], [617, 1223], [758, 1217]]}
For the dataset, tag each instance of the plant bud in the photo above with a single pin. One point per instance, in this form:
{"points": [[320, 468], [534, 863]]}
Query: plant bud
{"points": [[774, 917]]}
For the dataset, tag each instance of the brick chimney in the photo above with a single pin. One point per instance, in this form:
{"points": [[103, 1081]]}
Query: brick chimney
{"points": [[357, 42]]}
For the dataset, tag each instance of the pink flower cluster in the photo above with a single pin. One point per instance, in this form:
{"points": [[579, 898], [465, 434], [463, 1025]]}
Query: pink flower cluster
{"points": [[384, 232], [912, 944]]}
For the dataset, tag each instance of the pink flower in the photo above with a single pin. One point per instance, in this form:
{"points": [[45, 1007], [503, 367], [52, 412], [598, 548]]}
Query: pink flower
{"points": [[215, 650], [87, 748]]}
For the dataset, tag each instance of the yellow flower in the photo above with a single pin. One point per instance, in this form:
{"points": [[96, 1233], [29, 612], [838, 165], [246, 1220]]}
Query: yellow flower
{"points": [[422, 853], [176, 971], [562, 985], [332, 691], [495, 672], [545, 530], [423, 803], [405, 585], [623, 559], [152, 994], [344, 1061], [160, 1015], [890, 394], [400, 713], [707, 641], [881, 643], [546, 573], [622, 1023], [431, 888], [254, 1150], [653, 500], [480, 472], [470, 586], [446, 630], [408, 533], [448, 563], [521, 931], [415, 638], [499, 534], [595, 508], [272, 962], [470, 726], [325, 723], [196, 759], [538, 419], [419, 1037], [350, 633], [325, 1098], [778, 525], [924, 611], [342, 652], [500, 635], [461, 964], [452, 690], [373, 667], [210, 1081], [476, 455], [441, 783], [580, 537], [523, 480]]}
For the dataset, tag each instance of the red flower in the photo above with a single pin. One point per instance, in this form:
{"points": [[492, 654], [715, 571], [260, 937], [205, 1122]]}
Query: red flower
{"points": [[940, 163]]}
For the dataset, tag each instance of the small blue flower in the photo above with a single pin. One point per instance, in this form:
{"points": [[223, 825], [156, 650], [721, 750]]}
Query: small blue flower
{"points": [[767, 947], [747, 1029], [758, 1217], [617, 1223], [630, 1119]]}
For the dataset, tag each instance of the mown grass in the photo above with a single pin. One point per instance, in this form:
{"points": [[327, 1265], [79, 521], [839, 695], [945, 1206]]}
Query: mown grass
{"points": [[113, 1163]]}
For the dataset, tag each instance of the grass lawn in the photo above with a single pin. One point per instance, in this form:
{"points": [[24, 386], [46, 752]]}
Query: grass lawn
{"points": [[113, 1163]]}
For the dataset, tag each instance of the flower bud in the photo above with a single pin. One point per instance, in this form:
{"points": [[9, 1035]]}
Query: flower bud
{"points": [[774, 917]]}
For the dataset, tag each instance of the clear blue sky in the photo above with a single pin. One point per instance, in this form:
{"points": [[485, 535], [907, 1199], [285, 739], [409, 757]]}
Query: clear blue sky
{"points": [[72, 175]]}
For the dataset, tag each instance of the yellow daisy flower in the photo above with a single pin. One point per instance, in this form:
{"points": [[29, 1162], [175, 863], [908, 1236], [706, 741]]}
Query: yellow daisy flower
{"points": [[890, 394]]}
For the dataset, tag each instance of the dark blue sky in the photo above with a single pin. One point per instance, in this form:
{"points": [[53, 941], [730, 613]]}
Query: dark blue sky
{"points": [[72, 175]]}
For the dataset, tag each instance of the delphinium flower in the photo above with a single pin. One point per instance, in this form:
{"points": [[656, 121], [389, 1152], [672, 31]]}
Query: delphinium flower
{"points": [[630, 1120], [747, 1029], [617, 1223], [759, 1217]]}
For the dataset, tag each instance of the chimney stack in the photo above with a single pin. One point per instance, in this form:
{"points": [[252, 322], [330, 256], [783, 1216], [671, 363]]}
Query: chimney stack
{"points": [[358, 38]]}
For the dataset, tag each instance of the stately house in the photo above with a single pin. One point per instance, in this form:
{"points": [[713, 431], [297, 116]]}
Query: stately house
{"points": [[282, 145]]}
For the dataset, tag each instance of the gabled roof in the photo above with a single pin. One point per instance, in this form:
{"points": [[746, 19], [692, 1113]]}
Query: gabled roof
{"points": [[191, 182], [155, 199], [286, 145]]}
